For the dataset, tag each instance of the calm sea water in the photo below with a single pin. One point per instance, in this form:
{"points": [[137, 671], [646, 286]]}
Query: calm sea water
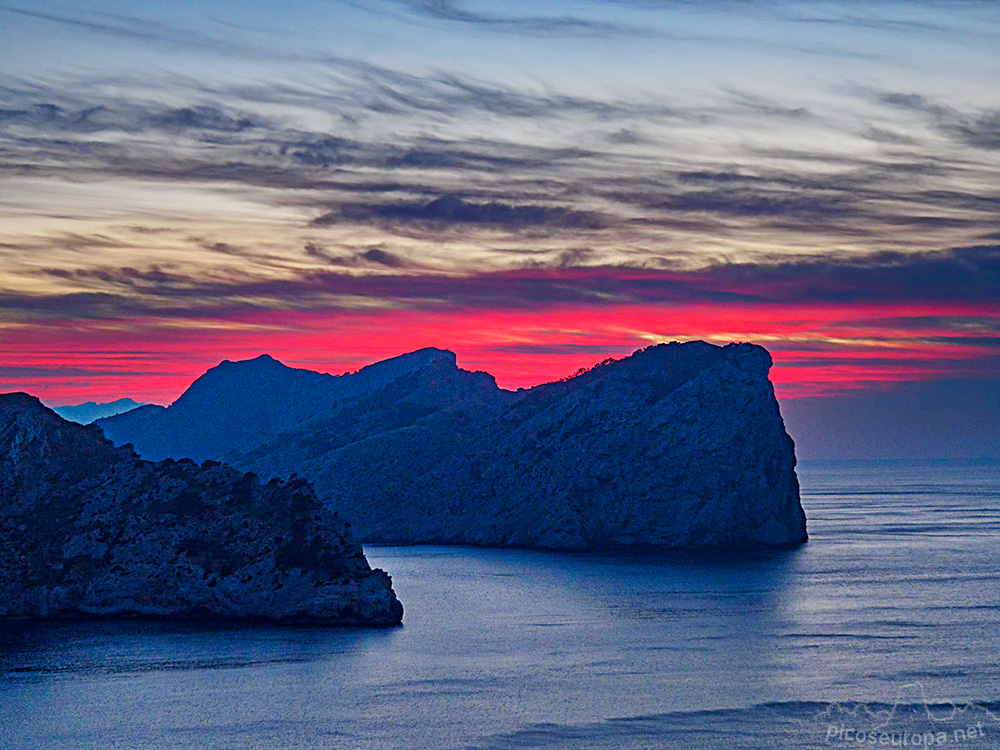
{"points": [[886, 624]]}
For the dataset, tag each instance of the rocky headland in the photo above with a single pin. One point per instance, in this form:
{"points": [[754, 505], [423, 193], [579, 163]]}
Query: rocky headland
{"points": [[91, 530], [678, 445]]}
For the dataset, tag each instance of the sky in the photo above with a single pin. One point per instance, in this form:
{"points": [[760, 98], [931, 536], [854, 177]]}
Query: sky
{"points": [[536, 186]]}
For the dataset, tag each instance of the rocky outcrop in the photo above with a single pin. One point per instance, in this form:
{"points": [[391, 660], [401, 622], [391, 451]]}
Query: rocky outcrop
{"points": [[679, 445], [90, 530]]}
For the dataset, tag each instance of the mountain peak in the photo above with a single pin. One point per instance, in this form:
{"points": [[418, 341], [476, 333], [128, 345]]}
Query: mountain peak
{"points": [[430, 354], [20, 400], [404, 364], [265, 360]]}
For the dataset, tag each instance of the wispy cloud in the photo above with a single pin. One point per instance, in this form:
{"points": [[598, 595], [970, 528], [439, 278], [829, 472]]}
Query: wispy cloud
{"points": [[451, 209], [599, 181], [968, 276]]}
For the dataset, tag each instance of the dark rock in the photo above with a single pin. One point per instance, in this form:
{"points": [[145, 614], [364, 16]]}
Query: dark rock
{"points": [[679, 445], [90, 530]]}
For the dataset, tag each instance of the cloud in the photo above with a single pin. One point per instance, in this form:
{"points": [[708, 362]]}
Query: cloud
{"points": [[318, 252], [979, 128], [451, 209], [377, 165], [144, 32], [27, 372], [757, 203], [966, 277], [104, 24], [121, 116], [364, 152], [382, 258], [203, 118], [545, 26], [964, 274], [558, 349]]}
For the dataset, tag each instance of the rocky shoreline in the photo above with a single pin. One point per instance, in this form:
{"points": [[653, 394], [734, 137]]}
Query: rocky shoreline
{"points": [[88, 530]]}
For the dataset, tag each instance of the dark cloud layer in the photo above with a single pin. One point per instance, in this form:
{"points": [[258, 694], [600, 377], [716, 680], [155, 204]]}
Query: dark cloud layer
{"points": [[451, 209], [967, 276]]}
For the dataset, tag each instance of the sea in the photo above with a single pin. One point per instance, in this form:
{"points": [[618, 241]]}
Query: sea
{"points": [[882, 631]]}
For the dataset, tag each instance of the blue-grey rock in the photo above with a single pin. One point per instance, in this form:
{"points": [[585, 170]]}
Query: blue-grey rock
{"points": [[92, 411], [91, 530], [678, 445]]}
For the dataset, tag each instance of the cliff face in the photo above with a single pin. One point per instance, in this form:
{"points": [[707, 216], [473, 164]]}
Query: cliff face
{"points": [[679, 445], [87, 529]]}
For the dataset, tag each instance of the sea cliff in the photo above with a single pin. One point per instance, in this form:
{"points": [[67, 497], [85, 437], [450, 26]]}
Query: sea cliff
{"points": [[91, 530]]}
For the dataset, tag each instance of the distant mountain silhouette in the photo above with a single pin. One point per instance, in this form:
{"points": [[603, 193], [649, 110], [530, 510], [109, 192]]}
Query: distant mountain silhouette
{"points": [[678, 445], [91, 411], [236, 406], [90, 530]]}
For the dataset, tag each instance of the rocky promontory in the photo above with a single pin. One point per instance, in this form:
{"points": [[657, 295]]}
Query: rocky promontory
{"points": [[678, 445], [91, 530]]}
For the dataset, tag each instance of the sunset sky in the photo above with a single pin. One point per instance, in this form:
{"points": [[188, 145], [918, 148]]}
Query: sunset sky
{"points": [[536, 186]]}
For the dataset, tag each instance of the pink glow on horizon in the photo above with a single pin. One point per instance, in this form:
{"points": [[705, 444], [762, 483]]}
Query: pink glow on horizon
{"points": [[819, 350]]}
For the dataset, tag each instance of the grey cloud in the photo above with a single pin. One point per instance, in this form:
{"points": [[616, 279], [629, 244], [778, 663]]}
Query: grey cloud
{"points": [[764, 106], [981, 130], [757, 203], [451, 209], [203, 118], [397, 182], [883, 135], [370, 256], [125, 277], [123, 116], [626, 136], [911, 101], [15, 372], [382, 258], [561, 26], [970, 275], [977, 129], [329, 151], [596, 350], [318, 252], [454, 92], [105, 24], [958, 324], [882, 23], [144, 31]]}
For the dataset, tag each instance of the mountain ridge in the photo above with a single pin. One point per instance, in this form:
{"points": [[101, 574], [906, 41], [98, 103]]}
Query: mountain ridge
{"points": [[677, 445], [91, 411]]}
